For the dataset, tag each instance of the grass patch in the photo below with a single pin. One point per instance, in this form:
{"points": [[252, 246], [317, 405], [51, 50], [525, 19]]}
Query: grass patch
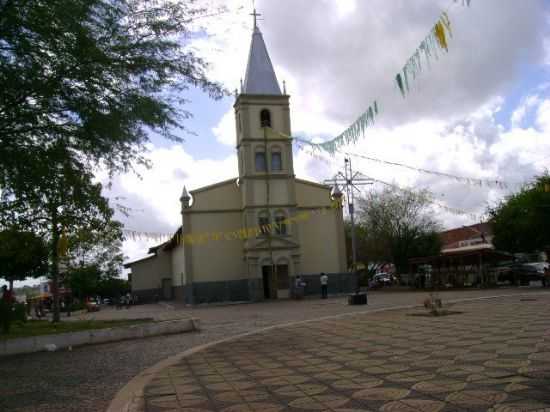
{"points": [[45, 327]]}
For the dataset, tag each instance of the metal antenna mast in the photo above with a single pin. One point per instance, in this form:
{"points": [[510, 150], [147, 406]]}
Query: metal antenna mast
{"points": [[350, 181]]}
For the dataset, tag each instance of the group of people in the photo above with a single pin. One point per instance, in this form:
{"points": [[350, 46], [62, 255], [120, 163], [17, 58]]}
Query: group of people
{"points": [[300, 285], [126, 300]]}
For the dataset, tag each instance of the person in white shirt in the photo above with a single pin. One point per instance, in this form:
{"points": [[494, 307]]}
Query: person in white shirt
{"points": [[324, 285]]}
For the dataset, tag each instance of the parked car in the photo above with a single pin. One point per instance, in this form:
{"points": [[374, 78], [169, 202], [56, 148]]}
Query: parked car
{"points": [[382, 279], [527, 272]]}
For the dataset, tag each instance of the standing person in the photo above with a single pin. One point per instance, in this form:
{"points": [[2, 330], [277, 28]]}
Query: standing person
{"points": [[324, 285], [298, 287], [6, 308], [7, 295]]}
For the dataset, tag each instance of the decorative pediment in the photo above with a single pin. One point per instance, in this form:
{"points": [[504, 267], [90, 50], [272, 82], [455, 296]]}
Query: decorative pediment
{"points": [[277, 242]]}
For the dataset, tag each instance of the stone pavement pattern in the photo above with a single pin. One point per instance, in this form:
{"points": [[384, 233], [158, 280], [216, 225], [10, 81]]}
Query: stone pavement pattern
{"points": [[495, 355], [87, 378]]}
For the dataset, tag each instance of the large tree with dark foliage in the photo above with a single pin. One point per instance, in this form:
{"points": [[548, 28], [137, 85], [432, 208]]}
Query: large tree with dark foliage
{"points": [[521, 222], [57, 199], [95, 76], [83, 84], [22, 255], [396, 225]]}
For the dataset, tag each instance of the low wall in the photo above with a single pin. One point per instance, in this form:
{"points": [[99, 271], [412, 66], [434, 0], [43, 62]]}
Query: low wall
{"points": [[93, 336], [148, 295], [225, 291], [251, 290]]}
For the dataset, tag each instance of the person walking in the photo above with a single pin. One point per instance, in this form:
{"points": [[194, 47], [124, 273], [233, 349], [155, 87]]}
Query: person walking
{"points": [[324, 285]]}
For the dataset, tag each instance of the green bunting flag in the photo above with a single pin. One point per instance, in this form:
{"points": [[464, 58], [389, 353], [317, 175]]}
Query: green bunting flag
{"points": [[351, 134], [436, 40]]}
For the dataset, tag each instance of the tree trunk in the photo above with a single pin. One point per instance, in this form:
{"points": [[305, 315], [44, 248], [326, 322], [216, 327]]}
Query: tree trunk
{"points": [[54, 269], [11, 285]]}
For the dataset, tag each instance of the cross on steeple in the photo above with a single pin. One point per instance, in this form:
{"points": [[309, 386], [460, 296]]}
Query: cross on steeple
{"points": [[255, 15]]}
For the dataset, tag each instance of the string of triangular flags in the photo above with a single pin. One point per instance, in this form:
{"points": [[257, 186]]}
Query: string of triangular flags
{"points": [[141, 235], [433, 44], [354, 132], [471, 181], [431, 199], [462, 179]]}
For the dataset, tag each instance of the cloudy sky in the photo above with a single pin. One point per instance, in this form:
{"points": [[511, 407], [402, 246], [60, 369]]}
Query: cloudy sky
{"points": [[482, 110]]}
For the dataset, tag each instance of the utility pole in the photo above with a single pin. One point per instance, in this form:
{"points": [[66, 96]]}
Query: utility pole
{"points": [[350, 181]]}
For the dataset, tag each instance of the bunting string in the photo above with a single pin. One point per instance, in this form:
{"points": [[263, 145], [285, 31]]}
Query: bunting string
{"points": [[349, 136], [461, 179], [430, 199], [434, 44], [471, 181], [239, 234]]}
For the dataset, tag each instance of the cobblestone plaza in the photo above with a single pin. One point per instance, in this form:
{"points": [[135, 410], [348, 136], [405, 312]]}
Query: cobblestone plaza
{"points": [[493, 355]]}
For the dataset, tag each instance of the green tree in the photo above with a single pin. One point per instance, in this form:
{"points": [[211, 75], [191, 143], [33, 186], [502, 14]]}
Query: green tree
{"points": [[22, 255], [521, 222], [93, 259], [95, 75], [58, 200], [84, 83], [396, 225], [113, 287]]}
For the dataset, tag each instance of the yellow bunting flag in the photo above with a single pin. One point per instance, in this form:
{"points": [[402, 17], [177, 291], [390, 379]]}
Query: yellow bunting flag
{"points": [[439, 31]]}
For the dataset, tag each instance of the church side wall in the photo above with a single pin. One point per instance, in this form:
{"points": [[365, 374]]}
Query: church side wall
{"points": [[147, 275], [178, 266], [224, 195], [217, 260], [319, 242], [219, 271], [309, 195]]}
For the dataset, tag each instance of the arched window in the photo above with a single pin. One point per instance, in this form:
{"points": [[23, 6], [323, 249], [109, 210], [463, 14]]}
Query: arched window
{"points": [[280, 223], [265, 118], [276, 160], [260, 160]]}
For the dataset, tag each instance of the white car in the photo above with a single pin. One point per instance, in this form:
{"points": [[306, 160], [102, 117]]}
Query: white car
{"points": [[382, 278]]}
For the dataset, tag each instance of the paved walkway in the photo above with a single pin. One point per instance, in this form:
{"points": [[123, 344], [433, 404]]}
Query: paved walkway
{"points": [[495, 355], [88, 378]]}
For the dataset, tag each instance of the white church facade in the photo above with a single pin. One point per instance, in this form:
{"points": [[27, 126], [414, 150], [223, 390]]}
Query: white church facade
{"points": [[263, 203]]}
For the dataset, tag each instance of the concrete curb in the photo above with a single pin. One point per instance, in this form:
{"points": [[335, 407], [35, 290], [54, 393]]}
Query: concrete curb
{"points": [[130, 397], [88, 337]]}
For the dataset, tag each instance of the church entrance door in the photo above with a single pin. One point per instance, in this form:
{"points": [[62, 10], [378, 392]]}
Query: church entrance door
{"points": [[269, 281]]}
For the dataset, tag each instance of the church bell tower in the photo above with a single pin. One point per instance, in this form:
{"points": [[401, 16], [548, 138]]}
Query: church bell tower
{"points": [[266, 172]]}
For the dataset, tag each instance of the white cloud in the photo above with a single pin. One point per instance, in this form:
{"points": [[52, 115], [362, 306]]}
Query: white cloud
{"points": [[543, 116], [527, 104], [154, 194], [225, 129]]}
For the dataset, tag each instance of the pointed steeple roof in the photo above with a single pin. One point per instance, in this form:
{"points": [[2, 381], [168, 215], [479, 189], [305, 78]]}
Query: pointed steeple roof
{"points": [[260, 77]]}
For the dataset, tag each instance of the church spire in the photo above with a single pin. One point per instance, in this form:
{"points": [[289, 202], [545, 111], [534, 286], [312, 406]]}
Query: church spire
{"points": [[260, 77]]}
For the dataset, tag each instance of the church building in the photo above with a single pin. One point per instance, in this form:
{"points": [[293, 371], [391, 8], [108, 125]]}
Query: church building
{"points": [[249, 237]]}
